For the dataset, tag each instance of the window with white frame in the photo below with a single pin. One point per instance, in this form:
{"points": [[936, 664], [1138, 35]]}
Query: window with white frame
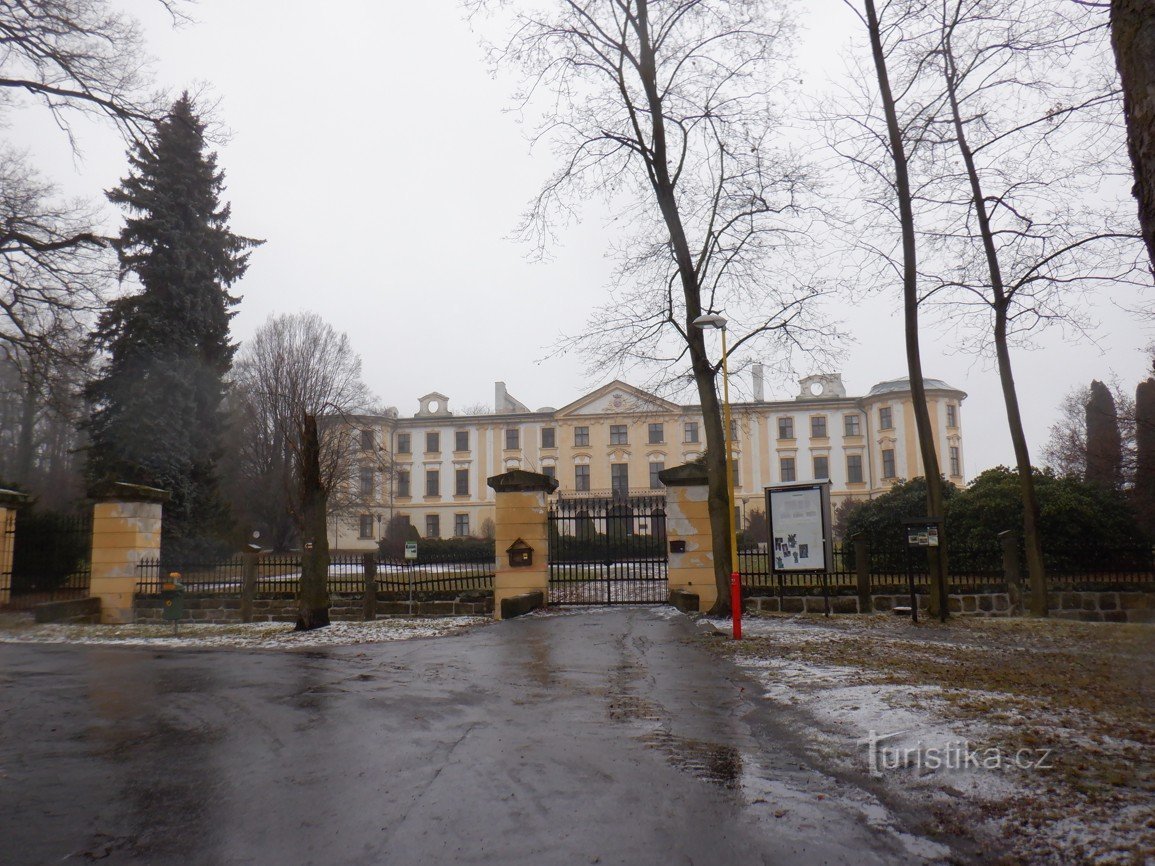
{"points": [[655, 481], [619, 434], [854, 468], [690, 432], [432, 482], [461, 525], [786, 468], [888, 470], [955, 461], [885, 420], [432, 525], [821, 467], [817, 426], [512, 438], [620, 477], [851, 425], [433, 442], [786, 427], [366, 528]]}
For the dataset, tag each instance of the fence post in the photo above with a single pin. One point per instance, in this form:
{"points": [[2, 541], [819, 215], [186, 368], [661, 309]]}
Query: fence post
{"points": [[126, 527], [862, 571], [369, 600], [10, 500], [1009, 540], [249, 560]]}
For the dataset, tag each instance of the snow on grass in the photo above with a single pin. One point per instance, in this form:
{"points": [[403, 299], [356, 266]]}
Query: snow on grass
{"points": [[1072, 691], [265, 635]]}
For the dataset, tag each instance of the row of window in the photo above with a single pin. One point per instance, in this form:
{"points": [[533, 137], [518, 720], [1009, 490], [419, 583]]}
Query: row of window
{"points": [[656, 433], [619, 435], [620, 474], [432, 525], [620, 483]]}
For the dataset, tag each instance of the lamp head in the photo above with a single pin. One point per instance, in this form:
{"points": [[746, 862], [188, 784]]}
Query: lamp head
{"points": [[710, 320]]}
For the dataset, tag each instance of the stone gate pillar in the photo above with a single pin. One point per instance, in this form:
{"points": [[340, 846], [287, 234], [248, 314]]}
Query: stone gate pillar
{"points": [[126, 521], [10, 500], [521, 515], [688, 532]]}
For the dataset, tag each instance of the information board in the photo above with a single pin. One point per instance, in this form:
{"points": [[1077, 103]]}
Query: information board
{"points": [[799, 527], [410, 549]]}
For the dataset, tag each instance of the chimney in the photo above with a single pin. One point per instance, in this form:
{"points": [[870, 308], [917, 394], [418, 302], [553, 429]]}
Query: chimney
{"points": [[498, 397], [759, 395]]}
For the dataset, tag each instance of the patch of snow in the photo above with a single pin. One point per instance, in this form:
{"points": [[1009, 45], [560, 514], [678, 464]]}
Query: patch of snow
{"points": [[266, 635]]}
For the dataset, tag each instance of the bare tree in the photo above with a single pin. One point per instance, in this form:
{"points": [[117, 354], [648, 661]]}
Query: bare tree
{"points": [[80, 56], [1133, 40], [298, 387], [71, 58], [666, 111], [1014, 226], [882, 149], [53, 264]]}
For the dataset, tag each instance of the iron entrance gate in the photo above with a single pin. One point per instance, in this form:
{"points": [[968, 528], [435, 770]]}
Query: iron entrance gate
{"points": [[608, 549]]}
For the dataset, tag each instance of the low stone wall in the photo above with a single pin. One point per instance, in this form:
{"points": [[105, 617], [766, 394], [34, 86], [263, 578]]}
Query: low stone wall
{"points": [[1103, 606], [1086, 606], [76, 610], [345, 608]]}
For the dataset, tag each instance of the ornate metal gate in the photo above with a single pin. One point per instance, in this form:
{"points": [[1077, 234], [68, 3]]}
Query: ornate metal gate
{"points": [[608, 549]]}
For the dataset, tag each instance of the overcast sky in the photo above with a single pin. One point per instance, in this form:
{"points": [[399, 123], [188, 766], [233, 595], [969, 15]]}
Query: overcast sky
{"points": [[375, 154]]}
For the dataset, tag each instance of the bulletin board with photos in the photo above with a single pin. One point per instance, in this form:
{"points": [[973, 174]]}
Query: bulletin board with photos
{"points": [[799, 516]]}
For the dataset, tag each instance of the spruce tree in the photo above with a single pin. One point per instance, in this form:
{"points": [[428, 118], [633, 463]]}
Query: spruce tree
{"points": [[156, 405]]}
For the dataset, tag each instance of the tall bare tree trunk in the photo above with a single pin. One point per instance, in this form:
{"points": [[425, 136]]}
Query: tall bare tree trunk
{"points": [[26, 444], [1032, 539], [313, 596], [934, 495], [1133, 38], [718, 498]]}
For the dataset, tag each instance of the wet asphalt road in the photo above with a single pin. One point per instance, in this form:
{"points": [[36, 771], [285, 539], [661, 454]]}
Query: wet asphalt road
{"points": [[605, 736]]}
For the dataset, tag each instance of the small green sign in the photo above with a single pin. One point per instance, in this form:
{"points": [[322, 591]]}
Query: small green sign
{"points": [[410, 549]]}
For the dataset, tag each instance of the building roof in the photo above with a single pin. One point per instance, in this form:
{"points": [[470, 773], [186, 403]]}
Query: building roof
{"points": [[895, 385]]}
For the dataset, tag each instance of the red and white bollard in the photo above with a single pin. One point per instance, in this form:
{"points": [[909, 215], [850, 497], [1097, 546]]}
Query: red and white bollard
{"points": [[736, 603]]}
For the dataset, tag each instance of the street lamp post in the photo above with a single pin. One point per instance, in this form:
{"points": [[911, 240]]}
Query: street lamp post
{"points": [[713, 320]]}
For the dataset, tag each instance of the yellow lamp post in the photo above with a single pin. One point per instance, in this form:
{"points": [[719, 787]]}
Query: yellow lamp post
{"points": [[713, 320]]}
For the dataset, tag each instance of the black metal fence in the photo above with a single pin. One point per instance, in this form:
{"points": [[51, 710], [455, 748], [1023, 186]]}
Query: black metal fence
{"points": [[280, 575], [970, 570], [50, 558], [754, 564], [1099, 569]]}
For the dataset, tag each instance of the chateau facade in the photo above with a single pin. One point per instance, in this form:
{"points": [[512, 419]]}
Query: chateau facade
{"points": [[432, 467]]}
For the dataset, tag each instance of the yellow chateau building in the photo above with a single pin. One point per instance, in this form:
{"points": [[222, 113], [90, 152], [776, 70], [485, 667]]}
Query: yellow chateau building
{"points": [[432, 467]]}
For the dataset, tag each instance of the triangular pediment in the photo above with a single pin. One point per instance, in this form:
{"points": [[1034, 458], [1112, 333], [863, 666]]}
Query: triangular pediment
{"points": [[618, 398]]}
